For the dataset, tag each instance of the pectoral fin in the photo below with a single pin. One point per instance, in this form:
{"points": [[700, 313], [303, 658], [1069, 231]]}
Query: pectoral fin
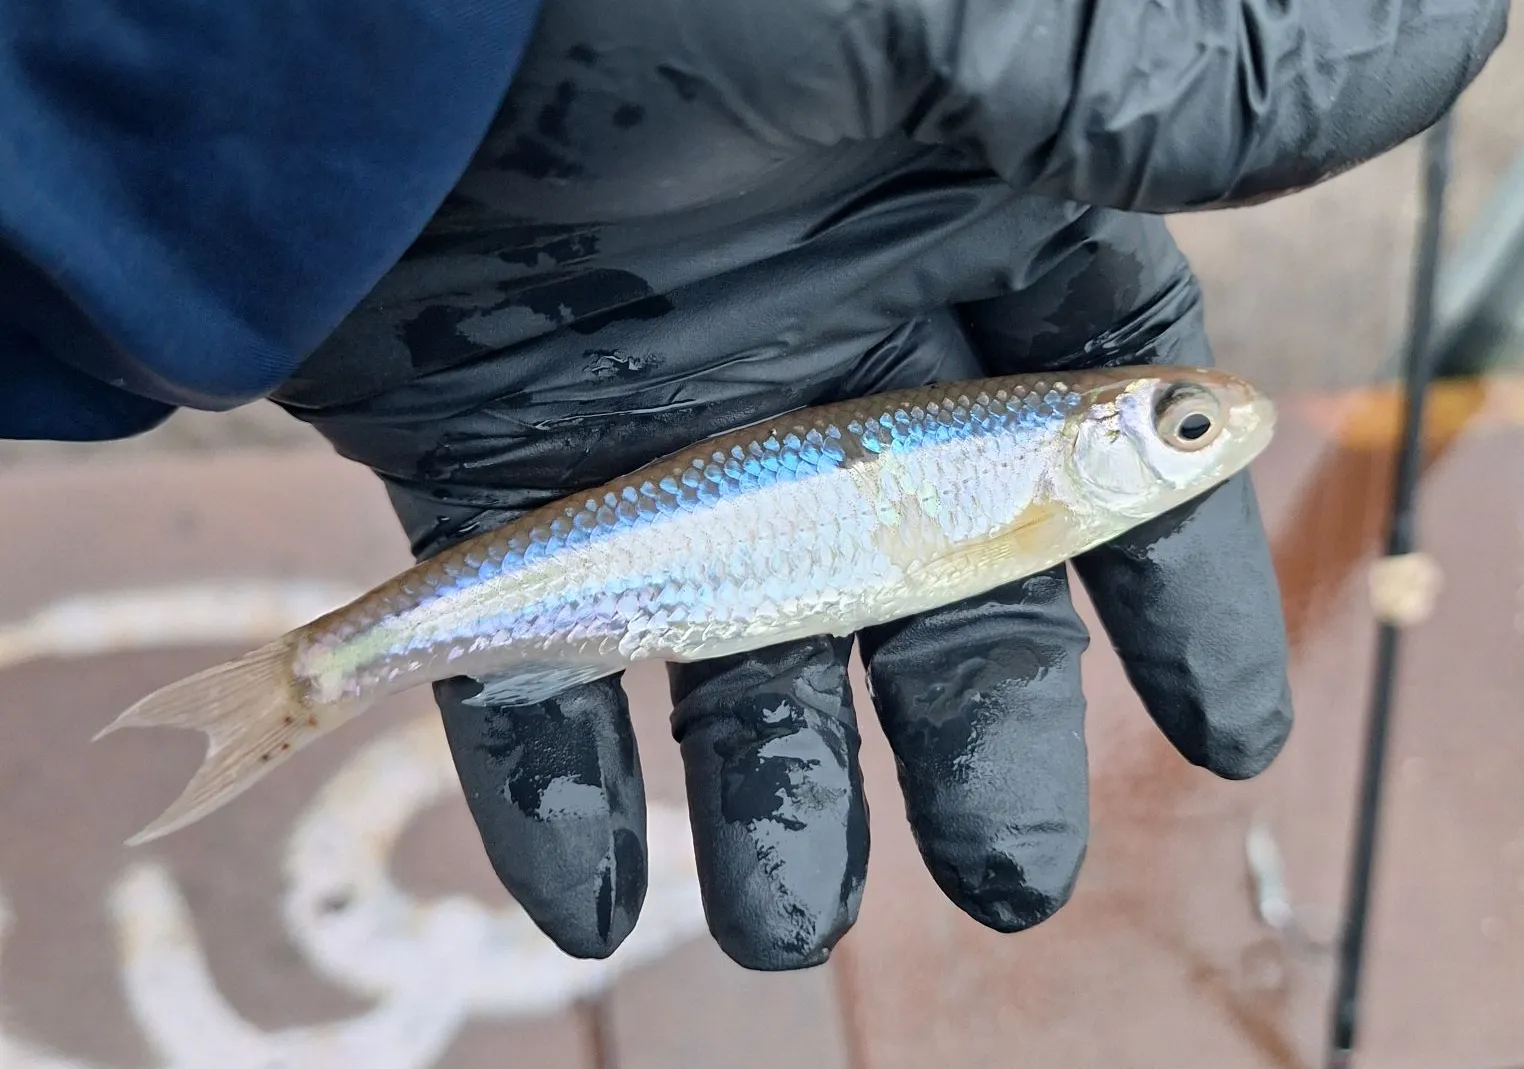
{"points": [[531, 683], [1042, 537], [1039, 539]]}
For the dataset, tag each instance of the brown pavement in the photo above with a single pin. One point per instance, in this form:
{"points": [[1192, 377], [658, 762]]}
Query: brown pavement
{"points": [[240, 944], [1158, 962]]}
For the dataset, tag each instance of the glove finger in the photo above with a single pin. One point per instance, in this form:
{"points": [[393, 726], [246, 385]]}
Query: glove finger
{"points": [[770, 753], [982, 705], [556, 792], [1191, 605]]}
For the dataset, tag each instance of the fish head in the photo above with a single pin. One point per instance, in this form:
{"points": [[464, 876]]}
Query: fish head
{"points": [[1147, 439]]}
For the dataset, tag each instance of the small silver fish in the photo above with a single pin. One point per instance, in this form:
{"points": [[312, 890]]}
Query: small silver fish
{"points": [[821, 521]]}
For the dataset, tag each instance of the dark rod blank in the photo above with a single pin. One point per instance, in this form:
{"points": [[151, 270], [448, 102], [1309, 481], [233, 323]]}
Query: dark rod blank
{"points": [[1401, 539]]}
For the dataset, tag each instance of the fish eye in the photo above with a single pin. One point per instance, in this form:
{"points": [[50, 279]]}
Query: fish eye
{"points": [[1188, 417]]}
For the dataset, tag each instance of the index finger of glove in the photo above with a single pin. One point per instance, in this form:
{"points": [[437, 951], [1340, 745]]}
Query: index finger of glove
{"points": [[1191, 604], [1190, 599]]}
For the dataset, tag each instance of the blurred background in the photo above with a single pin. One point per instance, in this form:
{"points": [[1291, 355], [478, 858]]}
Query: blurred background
{"points": [[344, 915]]}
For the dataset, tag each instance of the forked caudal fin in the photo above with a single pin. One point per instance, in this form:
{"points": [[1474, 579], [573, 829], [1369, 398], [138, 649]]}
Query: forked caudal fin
{"points": [[254, 717]]}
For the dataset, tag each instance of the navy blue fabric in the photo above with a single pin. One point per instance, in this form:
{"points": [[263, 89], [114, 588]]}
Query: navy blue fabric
{"points": [[193, 195]]}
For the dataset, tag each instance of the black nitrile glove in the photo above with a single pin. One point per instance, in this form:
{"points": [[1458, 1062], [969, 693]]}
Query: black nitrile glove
{"points": [[694, 214]]}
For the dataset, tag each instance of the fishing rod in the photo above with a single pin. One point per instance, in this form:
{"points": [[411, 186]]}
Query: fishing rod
{"points": [[1401, 540]]}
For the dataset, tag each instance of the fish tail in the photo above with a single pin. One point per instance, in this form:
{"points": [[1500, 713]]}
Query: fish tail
{"points": [[254, 715]]}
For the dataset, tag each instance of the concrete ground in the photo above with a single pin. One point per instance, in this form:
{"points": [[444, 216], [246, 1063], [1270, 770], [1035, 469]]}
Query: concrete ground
{"points": [[341, 914]]}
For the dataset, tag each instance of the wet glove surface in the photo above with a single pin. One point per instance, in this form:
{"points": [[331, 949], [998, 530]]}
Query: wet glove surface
{"points": [[693, 215]]}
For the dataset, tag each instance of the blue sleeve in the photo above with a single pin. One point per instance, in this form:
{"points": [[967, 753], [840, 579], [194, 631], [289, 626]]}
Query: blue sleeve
{"points": [[192, 195]]}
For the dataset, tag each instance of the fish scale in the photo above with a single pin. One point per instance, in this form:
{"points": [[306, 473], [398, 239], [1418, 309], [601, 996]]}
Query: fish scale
{"points": [[824, 520]]}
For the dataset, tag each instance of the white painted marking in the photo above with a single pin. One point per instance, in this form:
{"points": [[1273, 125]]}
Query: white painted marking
{"points": [[198, 613], [372, 945], [191, 1026], [428, 967]]}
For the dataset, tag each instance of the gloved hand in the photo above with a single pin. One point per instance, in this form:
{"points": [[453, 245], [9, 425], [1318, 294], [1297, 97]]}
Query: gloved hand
{"points": [[695, 214]]}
